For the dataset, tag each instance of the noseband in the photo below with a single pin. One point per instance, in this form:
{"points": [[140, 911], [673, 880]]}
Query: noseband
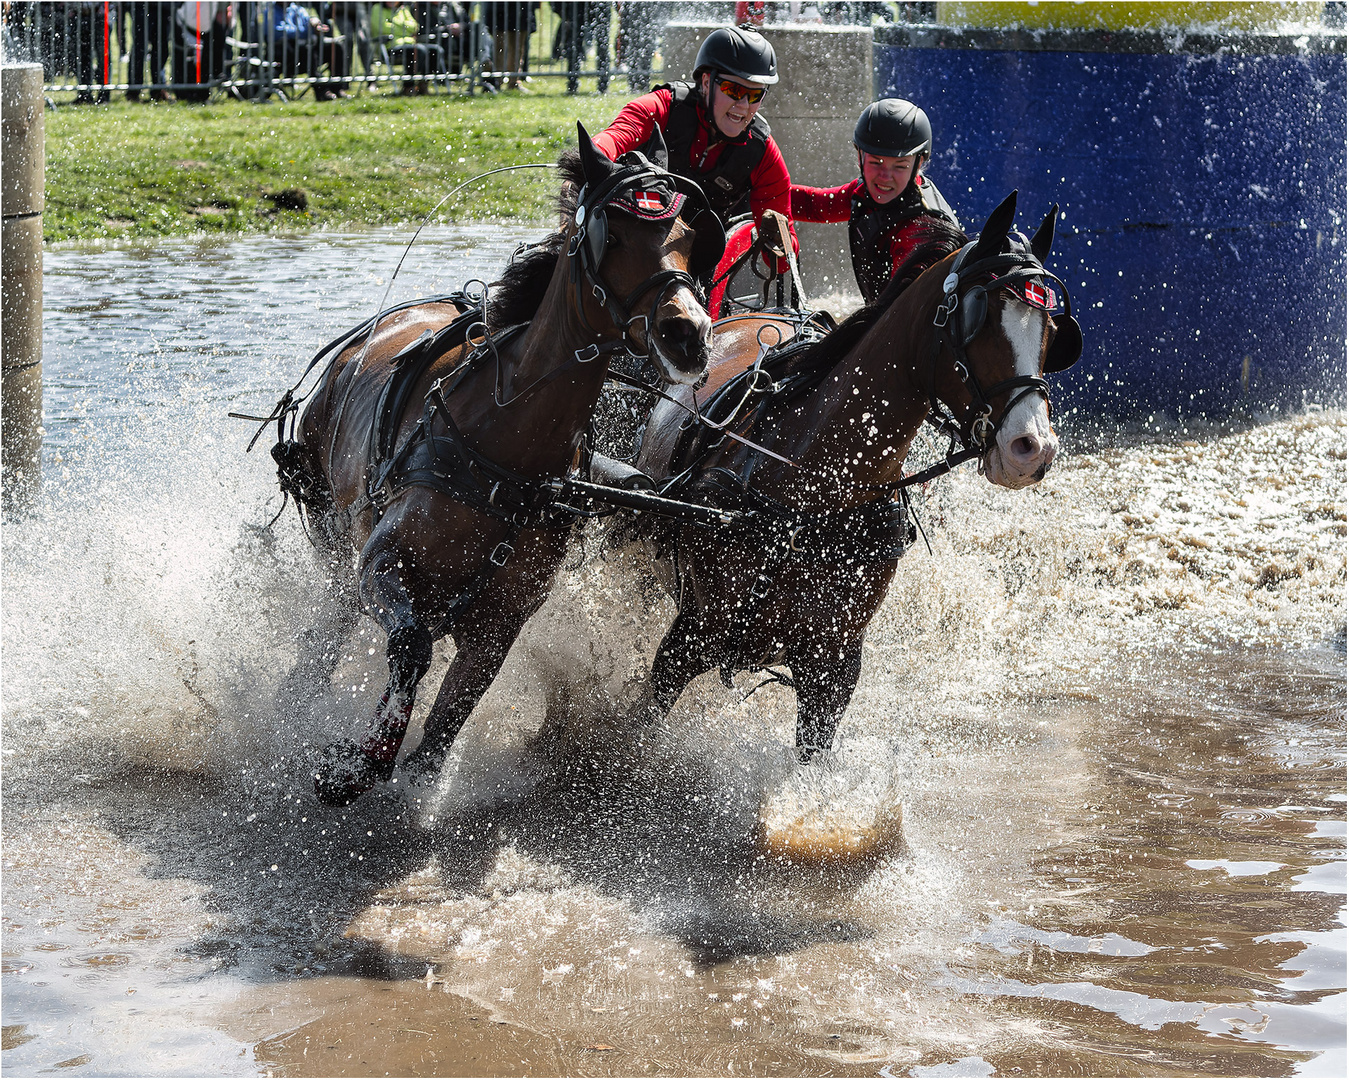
{"points": [[960, 317], [587, 248]]}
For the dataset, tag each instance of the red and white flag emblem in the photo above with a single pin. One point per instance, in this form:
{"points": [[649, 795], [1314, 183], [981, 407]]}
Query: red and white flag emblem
{"points": [[649, 201], [1041, 296]]}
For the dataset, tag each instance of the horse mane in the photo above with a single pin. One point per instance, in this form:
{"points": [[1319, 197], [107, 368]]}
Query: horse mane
{"points": [[937, 238], [516, 297]]}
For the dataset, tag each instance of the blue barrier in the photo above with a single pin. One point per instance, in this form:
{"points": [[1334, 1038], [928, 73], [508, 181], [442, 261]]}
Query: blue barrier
{"points": [[1202, 183]]}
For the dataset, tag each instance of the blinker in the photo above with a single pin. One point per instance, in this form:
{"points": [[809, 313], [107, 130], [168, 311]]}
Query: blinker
{"points": [[973, 312], [1066, 348]]}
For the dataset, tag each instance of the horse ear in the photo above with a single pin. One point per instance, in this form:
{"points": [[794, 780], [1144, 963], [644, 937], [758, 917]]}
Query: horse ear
{"points": [[995, 230], [655, 150], [594, 165], [1043, 239]]}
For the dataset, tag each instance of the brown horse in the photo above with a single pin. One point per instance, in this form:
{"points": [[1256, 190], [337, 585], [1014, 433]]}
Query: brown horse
{"points": [[430, 439], [963, 326]]}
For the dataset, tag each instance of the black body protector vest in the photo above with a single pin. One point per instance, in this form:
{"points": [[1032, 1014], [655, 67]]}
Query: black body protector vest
{"points": [[870, 227], [726, 183]]}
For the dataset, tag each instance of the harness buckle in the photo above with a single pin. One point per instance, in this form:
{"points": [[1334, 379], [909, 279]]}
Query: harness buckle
{"points": [[761, 587], [600, 294], [945, 310], [982, 426], [586, 355], [500, 554]]}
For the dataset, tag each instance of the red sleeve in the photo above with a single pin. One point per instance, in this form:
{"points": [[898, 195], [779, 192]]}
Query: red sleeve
{"points": [[770, 188], [822, 204], [632, 127], [903, 241]]}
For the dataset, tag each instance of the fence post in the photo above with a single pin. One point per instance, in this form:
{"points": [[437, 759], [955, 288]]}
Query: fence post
{"points": [[23, 165]]}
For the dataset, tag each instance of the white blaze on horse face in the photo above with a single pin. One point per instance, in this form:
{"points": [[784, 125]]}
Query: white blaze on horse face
{"points": [[1026, 443]]}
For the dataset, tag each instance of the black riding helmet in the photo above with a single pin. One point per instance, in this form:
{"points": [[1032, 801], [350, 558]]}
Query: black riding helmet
{"points": [[893, 127], [744, 54]]}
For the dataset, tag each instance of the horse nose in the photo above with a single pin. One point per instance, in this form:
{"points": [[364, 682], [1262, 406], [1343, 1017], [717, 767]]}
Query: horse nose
{"points": [[685, 333], [1027, 451]]}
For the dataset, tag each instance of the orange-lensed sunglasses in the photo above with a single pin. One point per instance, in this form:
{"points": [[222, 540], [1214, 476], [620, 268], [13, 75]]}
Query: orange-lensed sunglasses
{"points": [[735, 91]]}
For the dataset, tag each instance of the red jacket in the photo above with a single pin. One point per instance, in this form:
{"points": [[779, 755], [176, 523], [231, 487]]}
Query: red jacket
{"points": [[770, 183], [876, 259]]}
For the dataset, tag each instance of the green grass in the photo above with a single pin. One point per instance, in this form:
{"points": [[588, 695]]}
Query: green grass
{"points": [[127, 170]]}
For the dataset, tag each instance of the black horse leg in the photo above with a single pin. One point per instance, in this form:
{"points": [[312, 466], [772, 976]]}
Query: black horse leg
{"points": [[680, 659], [480, 651], [351, 768], [824, 686]]}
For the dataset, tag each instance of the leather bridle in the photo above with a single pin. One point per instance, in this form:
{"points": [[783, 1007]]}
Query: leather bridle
{"points": [[959, 319], [588, 245]]}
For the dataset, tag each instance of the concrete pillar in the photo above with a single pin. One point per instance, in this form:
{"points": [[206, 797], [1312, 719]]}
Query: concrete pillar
{"points": [[23, 169], [826, 80]]}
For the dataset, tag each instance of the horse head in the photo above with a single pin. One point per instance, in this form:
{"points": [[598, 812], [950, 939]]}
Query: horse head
{"points": [[1001, 320], [638, 238]]}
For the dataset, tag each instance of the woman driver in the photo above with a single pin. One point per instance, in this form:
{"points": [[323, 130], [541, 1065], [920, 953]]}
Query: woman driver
{"points": [[885, 205], [713, 130]]}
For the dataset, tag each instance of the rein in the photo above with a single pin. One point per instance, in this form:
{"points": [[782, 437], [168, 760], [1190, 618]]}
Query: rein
{"points": [[962, 297]]}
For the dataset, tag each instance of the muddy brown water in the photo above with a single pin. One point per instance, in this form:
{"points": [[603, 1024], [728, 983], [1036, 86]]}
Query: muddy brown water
{"points": [[1111, 710]]}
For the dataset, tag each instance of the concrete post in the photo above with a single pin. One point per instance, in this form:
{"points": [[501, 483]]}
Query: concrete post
{"points": [[22, 162], [826, 80]]}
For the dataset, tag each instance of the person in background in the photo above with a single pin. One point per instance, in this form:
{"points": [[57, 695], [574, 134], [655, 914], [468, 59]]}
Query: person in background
{"points": [[887, 204], [397, 26], [636, 46], [352, 21], [201, 50], [303, 47], [510, 22], [449, 26], [89, 31], [152, 35], [578, 25]]}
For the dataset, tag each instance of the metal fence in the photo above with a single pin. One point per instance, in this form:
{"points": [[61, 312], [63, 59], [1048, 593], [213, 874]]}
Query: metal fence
{"points": [[199, 50]]}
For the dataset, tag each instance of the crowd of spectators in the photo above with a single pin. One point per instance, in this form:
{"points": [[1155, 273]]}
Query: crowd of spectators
{"points": [[161, 51], [186, 50]]}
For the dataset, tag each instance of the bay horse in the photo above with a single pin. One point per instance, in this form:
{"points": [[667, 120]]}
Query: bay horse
{"points": [[429, 441], [964, 332]]}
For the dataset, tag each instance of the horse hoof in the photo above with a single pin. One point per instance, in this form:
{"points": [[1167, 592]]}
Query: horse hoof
{"points": [[826, 815], [346, 772], [422, 766]]}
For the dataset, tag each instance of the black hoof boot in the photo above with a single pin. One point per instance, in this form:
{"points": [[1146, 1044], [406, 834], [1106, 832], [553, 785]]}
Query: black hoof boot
{"points": [[345, 772]]}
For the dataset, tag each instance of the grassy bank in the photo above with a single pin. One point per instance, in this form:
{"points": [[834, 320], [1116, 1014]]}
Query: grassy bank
{"points": [[129, 170]]}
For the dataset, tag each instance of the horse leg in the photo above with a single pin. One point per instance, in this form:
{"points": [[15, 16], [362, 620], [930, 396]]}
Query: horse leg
{"points": [[823, 690], [680, 659], [481, 649], [350, 768]]}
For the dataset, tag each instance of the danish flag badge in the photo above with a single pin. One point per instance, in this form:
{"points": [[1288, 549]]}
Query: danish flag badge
{"points": [[650, 201], [1041, 296]]}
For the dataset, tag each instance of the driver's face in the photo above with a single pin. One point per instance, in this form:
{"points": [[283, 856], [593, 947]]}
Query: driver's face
{"points": [[887, 177], [731, 117]]}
